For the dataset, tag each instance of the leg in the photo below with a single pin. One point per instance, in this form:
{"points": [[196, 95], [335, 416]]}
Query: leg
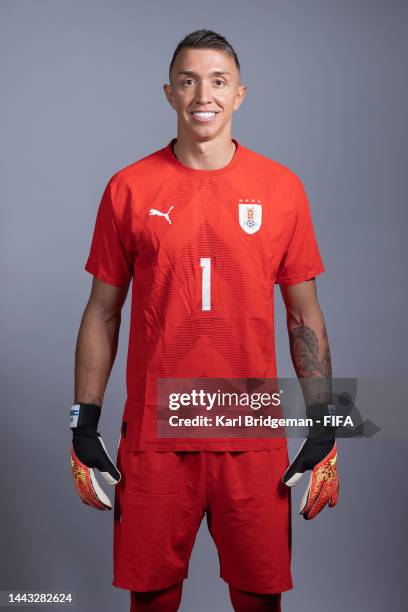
{"points": [[249, 519], [245, 601], [164, 600], [157, 516]]}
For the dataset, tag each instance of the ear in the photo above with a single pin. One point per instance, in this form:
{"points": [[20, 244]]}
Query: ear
{"points": [[241, 93], [168, 92]]}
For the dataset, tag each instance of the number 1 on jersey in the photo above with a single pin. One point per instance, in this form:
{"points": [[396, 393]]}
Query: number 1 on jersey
{"points": [[205, 263]]}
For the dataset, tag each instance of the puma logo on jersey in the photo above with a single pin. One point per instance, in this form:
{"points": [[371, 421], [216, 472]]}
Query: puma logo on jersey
{"points": [[153, 211]]}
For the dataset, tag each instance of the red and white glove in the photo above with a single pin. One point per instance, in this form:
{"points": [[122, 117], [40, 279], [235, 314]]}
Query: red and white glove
{"points": [[320, 456], [89, 452]]}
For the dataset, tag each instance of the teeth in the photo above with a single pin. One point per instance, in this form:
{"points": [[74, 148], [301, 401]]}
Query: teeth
{"points": [[204, 114]]}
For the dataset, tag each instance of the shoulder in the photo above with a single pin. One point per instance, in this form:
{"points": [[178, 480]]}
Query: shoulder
{"points": [[282, 184], [274, 171], [143, 168]]}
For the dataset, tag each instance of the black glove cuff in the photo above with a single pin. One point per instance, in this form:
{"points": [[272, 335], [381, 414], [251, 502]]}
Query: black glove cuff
{"points": [[85, 416], [321, 427]]}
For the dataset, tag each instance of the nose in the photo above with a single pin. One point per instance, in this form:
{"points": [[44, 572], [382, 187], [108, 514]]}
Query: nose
{"points": [[203, 94]]}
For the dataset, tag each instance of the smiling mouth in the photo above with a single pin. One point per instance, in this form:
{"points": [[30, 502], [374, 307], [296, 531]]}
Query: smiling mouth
{"points": [[204, 116]]}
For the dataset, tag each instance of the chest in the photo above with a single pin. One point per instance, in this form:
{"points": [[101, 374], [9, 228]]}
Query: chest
{"points": [[225, 225]]}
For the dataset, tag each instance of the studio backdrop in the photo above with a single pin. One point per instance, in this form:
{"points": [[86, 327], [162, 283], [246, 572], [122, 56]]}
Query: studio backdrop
{"points": [[81, 97]]}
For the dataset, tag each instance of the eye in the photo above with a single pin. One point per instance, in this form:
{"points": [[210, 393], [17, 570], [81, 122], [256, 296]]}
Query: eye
{"points": [[186, 80], [220, 81]]}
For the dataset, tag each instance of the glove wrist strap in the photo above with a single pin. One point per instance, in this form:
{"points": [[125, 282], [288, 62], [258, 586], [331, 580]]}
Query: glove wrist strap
{"points": [[321, 427]]}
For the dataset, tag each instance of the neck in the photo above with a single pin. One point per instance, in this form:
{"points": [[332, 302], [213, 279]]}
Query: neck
{"points": [[204, 155]]}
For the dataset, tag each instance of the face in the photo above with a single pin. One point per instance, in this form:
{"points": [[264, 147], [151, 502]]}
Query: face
{"points": [[205, 91]]}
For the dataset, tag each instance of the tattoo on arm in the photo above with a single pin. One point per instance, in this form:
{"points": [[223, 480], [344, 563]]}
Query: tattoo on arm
{"points": [[311, 359], [305, 349]]}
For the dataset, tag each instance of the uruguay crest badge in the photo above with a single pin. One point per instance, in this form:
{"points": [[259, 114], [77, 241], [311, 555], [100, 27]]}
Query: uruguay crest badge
{"points": [[250, 216]]}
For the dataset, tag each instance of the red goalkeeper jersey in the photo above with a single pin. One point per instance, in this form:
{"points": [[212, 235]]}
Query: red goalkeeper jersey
{"points": [[204, 249]]}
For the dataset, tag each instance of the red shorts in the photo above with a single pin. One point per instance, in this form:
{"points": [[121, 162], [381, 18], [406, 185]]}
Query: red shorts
{"points": [[161, 501]]}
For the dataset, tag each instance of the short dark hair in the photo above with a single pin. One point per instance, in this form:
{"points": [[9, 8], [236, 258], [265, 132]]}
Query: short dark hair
{"points": [[205, 39]]}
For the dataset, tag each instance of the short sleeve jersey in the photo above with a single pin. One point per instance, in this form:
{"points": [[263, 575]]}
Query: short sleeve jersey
{"points": [[204, 249]]}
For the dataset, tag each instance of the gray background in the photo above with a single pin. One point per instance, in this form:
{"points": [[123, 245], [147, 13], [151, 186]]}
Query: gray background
{"points": [[81, 98]]}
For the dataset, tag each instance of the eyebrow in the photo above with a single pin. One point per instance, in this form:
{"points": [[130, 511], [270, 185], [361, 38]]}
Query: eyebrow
{"points": [[214, 73]]}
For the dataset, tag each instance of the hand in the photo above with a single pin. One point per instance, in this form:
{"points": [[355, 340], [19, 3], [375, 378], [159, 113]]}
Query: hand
{"points": [[318, 455], [88, 452]]}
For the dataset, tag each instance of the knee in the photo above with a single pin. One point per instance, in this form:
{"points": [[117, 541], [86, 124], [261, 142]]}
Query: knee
{"points": [[246, 601], [163, 600], [168, 600]]}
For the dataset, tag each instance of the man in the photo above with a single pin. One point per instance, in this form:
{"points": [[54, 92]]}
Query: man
{"points": [[205, 227]]}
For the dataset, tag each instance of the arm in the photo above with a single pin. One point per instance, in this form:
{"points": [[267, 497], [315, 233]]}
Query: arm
{"points": [[96, 349], [97, 341], [309, 347], [309, 344]]}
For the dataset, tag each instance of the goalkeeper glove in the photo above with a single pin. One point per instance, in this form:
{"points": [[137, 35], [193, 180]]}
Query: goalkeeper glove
{"points": [[318, 453], [88, 452]]}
